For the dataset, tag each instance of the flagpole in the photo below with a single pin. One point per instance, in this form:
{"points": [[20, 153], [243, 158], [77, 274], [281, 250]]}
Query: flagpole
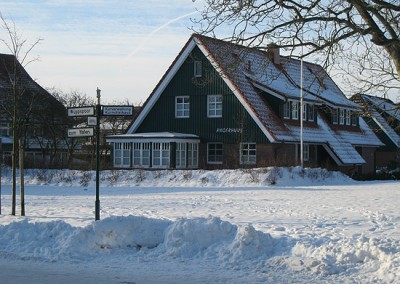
{"points": [[301, 105]]}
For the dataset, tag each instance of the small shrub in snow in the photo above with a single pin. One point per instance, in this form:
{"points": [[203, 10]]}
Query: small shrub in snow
{"points": [[113, 177], [86, 177], [140, 176], [187, 175]]}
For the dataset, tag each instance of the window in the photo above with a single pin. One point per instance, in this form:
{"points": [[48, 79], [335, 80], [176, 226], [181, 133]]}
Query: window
{"points": [[5, 129], [354, 118], [341, 116], [198, 72], [286, 110], [193, 154], [334, 116], [306, 152], [295, 110], [214, 106], [215, 153], [304, 111], [310, 110], [180, 155], [348, 117], [182, 106], [122, 154], [161, 155], [141, 154], [248, 153]]}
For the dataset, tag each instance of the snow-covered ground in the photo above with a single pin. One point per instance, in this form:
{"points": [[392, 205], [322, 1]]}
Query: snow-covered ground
{"points": [[273, 225]]}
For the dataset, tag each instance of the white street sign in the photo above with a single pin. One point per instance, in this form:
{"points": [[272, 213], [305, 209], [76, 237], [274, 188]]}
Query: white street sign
{"points": [[80, 132], [81, 111], [118, 110], [92, 120]]}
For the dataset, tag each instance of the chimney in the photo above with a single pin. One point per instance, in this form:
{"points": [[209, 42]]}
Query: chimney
{"points": [[273, 53]]}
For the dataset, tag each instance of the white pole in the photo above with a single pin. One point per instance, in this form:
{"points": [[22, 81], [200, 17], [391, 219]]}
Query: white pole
{"points": [[301, 106]]}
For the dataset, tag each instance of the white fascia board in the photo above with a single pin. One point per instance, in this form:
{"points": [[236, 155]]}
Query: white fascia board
{"points": [[157, 93], [235, 91]]}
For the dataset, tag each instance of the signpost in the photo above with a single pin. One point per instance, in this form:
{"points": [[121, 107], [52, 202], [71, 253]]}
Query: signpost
{"points": [[94, 114]]}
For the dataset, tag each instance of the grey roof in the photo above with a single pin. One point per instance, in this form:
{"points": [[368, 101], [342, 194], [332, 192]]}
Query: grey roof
{"points": [[379, 107]]}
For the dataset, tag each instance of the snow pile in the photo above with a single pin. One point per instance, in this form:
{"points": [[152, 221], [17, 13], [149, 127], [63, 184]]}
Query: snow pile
{"points": [[371, 256], [292, 176]]}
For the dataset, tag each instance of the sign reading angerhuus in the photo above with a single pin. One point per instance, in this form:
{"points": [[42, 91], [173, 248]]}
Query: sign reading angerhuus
{"points": [[80, 132]]}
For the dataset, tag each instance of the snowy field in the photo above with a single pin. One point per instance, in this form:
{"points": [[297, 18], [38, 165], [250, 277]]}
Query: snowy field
{"points": [[273, 225]]}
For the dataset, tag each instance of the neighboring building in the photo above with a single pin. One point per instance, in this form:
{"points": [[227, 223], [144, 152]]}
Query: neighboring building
{"points": [[221, 105], [42, 120], [383, 117]]}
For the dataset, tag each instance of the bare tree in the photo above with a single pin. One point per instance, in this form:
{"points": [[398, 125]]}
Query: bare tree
{"points": [[360, 37], [21, 106]]}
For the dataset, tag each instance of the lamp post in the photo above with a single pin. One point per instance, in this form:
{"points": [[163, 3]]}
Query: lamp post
{"points": [[98, 110]]}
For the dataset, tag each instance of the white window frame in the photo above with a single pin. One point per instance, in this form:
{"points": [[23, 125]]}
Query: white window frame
{"points": [[122, 154], [348, 117], [286, 110], [341, 116], [248, 153], [214, 106], [295, 110], [192, 155], [180, 155], [198, 68], [182, 107], [215, 158], [304, 112], [141, 154], [161, 155]]}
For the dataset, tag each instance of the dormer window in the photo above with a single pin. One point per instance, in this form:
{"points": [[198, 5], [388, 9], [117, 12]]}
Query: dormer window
{"points": [[310, 109], [286, 110], [334, 114], [198, 72], [341, 116], [348, 117], [354, 118], [295, 110]]}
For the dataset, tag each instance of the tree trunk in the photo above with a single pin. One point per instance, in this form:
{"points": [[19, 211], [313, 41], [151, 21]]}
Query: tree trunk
{"points": [[21, 177]]}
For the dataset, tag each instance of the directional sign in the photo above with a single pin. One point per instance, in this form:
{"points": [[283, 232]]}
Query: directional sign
{"points": [[92, 121], [81, 111], [118, 110], [80, 132]]}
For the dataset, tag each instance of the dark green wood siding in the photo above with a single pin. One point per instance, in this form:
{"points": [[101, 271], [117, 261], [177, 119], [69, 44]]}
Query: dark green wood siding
{"points": [[234, 126]]}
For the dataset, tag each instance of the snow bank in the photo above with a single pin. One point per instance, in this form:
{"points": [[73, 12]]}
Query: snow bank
{"points": [[207, 238], [292, 176], [371, 256]]}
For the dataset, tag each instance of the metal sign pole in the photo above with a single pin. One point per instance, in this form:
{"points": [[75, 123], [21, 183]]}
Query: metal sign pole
{"points": [[1, 162], [98, 110]]}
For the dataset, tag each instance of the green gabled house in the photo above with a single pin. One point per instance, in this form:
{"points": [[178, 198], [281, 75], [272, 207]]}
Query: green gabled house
{"points": [[221, 105]]}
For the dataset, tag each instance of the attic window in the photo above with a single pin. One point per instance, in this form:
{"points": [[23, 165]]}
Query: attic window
{"points": [[198, 69]]}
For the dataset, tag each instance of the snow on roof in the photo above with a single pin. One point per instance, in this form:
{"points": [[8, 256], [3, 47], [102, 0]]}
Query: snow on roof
{"points": [[153, 135], [384, 105]]}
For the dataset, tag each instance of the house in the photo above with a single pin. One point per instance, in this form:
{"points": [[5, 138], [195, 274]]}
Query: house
{"points": [[221, 105], [41, 119], [383, 117]]}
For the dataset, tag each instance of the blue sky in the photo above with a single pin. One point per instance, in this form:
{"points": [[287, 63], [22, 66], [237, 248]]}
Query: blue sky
{"points": [[122, 47]]}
